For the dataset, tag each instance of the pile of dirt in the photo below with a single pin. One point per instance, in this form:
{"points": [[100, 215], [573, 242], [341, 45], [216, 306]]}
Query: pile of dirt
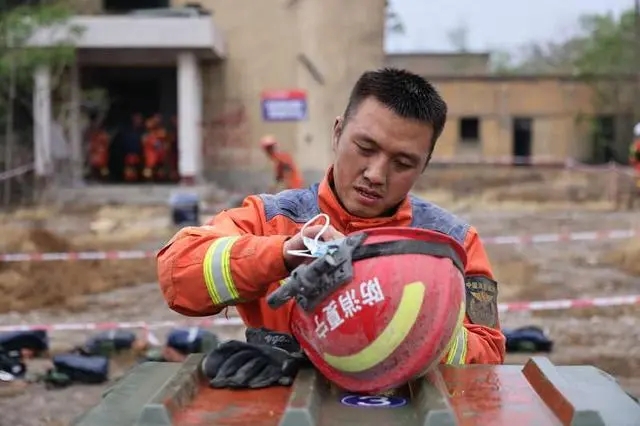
{"points": [[568, 187], [508, 188], [625, 258], [31, 285], [465, 179], [516, 275]]}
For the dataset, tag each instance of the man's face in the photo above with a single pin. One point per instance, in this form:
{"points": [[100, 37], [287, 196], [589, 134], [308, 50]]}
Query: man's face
{"points": [[378, 158]]}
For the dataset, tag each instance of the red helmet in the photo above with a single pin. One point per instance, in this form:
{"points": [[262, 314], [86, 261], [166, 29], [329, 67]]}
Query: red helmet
{"points": [[396, 316]]}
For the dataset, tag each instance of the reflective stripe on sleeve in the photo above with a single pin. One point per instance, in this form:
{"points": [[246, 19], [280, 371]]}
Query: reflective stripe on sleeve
{"points": [[217, 272], [458, 352]]}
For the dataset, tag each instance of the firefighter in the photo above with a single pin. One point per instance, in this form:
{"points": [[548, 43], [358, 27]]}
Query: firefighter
{"points": [[286, 173], [634, 161], [634, 150], [405, 325], [382, 144], [99, 147], [154, 146]]}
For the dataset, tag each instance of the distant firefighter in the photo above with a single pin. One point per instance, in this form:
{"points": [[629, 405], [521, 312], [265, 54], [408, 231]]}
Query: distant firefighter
{"points": [[287, 175], [154, 148], [99, 142]]}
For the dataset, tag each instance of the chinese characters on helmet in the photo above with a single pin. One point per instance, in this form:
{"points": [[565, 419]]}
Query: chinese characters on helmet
{"points": [[347, 305]]}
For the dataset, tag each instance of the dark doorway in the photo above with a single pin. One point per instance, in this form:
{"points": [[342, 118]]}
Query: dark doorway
{"points": [[145, 91], [604, 137], [522, 138]]}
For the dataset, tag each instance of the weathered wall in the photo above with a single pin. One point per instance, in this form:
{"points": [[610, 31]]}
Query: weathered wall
{"points": [[264, 38], [554, 104]]}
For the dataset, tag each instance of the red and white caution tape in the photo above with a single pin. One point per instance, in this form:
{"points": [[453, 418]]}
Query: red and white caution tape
{"points": [[146, 325], [564, 304], [615, 234], [545, 305], [79, 255]]}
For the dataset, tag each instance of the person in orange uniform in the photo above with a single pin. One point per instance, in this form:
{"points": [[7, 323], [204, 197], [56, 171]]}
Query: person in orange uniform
{"points": [[287, 175], [154, 146], [634, 161], [382, 144], [634, 152], [99, 149]]}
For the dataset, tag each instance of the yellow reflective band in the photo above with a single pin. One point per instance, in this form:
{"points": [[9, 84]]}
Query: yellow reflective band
{"points": [[390, 339], [457, 354], [217, 271]]}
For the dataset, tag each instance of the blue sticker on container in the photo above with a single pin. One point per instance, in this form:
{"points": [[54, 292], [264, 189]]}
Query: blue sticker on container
{"points": [[365, 401]]}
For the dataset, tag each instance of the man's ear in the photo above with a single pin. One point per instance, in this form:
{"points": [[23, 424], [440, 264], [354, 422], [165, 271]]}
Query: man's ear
{"points": [[337, 132]]}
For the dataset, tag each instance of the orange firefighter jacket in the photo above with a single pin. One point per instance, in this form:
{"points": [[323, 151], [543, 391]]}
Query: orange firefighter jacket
{"points": [[237, 259], [286, 171], [634, 155], [99, 149]]}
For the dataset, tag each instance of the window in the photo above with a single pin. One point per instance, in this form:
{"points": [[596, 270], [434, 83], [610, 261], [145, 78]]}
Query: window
{"points": [[469, 130], [128, 5]]}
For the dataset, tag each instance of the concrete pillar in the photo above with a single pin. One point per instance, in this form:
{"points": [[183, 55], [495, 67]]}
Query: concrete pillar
{"points": [[75, 128], [42, 122], [189, 118]]}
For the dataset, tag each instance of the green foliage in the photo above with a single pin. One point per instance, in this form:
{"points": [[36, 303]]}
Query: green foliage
{"points": [[17, 27], [608, 45], [605, 52], [605, 45], [394, 24]]}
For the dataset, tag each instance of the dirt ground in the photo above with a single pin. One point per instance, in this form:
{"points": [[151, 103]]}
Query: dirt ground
{"points": [[87, 291]]}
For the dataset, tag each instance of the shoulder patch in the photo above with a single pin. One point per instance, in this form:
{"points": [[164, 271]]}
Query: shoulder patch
{"points": [[482, 300], [430, 216], [298, 205]]}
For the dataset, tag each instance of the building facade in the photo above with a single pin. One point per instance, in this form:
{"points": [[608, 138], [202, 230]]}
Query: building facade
{"points": [[229, 59], [548, 118], [226, 61]]}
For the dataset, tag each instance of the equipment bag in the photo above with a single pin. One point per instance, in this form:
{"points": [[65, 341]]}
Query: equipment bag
{"points": [[192, 340], [109, 342], [82, 369], [34, 340], [528, 339]]}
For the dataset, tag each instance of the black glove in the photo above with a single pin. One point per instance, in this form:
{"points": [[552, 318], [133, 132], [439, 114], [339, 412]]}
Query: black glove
{"points": [[266, 359]]}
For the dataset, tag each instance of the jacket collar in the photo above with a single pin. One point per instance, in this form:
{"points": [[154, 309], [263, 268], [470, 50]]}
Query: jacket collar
{"points": [[348, 223]]}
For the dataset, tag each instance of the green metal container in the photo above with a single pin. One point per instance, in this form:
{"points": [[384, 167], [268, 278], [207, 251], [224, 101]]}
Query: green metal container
{"points": [[537, 394]]}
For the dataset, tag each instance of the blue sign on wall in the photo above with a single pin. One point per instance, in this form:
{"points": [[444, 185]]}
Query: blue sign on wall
{"points": [[284, 105], [364, 401]]}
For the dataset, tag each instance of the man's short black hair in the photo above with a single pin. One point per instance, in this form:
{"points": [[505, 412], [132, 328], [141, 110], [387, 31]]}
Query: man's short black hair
{"points": [[405, 93]]}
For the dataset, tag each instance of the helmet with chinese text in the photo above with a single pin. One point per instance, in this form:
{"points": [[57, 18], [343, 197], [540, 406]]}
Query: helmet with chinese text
{"points": [[395, 319]]}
